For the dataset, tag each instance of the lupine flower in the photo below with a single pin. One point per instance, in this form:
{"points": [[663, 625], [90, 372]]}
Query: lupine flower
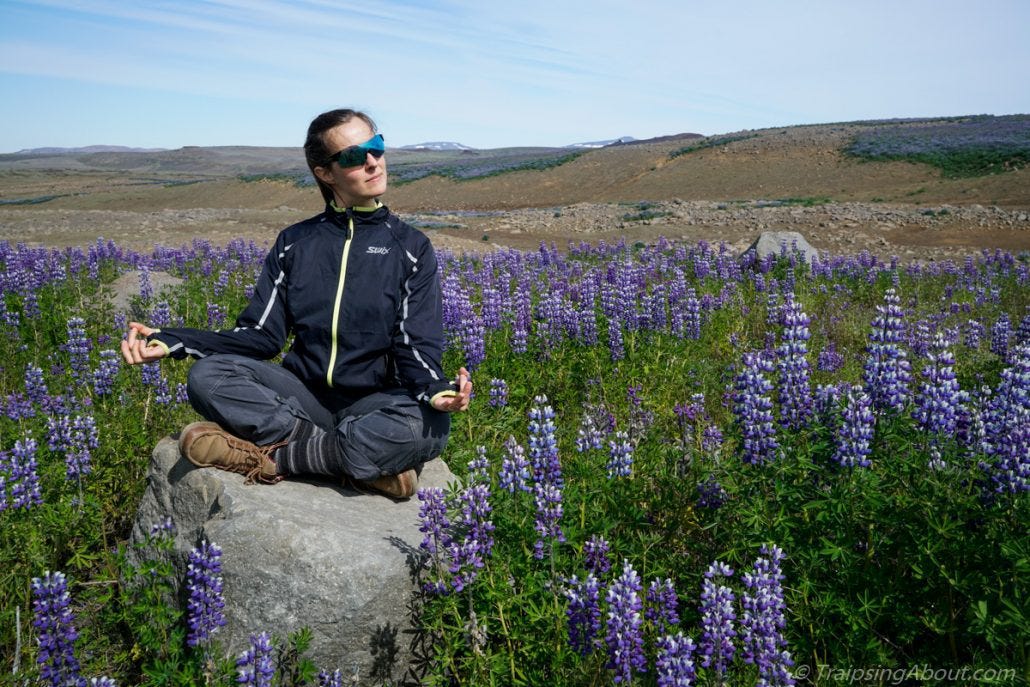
{"points": [[662, 605], [104, 375], [620, 456], [974, 334], [35, 386], [547, 474], [887, 371], [1007, 428], [514, 472], [939, 397], [498, 393], [595, 551], [753, 408], [163, 528], [20, 487], [710, 493], [78, 347], [432, 514], [160, 315], [763, 620], [639, 418], [55, 625], [624, 636], [675, 663], [615, 346], [256, 665], [589, 435], [692, 316], [795, 392], [583, 612], [146, 290], [470, 553], [102, 682], [479, 467], [829, 359], [204, 582], [75, 438], [215, 316], [333, 679], [1001, 331], [855, 434], [717, 618]]}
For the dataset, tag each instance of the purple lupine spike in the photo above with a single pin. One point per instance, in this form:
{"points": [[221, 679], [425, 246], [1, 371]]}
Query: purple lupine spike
{"points": [[35, 386], [78, 347], [829, 359], [620, 456], [160, 315], [102, 682], [675, 662], [469, 555], [204, 582], [327, 679], [435, 525], [792, 362], [710, 494], [753, 409], [255, 667], [887, 371], [692, 316], [55, 625], [498, 393], [547, 475], [717, 618], [854, 437], [514, 472], [583, 613], [662, 605], [1007, 428], [104, 375], [215, 316], [479, 467], [624, 637], [595, 551], [1001, 332], [615, 341], [146, 290], [937, 403], [21, 488], [974, 334], [763, 620]]}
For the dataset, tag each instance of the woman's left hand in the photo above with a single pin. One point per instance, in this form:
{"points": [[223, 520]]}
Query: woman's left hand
{"points": [[459, 401]]}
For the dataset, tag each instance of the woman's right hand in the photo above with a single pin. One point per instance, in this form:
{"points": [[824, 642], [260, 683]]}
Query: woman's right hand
{"points": [[135, 348]]}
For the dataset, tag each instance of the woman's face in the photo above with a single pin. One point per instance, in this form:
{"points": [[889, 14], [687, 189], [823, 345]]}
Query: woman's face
{"points": [[359, 185]]}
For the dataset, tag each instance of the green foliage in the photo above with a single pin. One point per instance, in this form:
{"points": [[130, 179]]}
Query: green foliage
{"points": [[645, 212], [710, 142]]}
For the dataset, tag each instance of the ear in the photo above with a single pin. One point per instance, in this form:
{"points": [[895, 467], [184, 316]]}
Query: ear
{"points": [[324, 175]]}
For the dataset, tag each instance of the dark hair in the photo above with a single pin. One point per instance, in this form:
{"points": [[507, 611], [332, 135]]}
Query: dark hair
{"points": [[315, 151]]}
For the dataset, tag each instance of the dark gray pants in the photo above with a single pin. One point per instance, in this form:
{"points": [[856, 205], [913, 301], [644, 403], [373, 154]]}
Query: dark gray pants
{"points": [[384, 433]]}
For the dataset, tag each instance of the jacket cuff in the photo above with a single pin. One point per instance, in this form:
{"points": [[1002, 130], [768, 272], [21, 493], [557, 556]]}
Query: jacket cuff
{"points": [[171, 344]]}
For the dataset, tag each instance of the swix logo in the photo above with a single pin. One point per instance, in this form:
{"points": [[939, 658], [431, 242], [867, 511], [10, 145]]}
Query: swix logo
{"points": [[378, 250]]}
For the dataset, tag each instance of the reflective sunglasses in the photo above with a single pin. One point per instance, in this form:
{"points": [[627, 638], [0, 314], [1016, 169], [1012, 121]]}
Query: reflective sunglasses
{"points": [[354, 156]]}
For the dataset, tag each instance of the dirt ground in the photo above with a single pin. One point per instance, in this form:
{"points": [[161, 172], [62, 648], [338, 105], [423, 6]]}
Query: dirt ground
{"points": [[792, 179]]}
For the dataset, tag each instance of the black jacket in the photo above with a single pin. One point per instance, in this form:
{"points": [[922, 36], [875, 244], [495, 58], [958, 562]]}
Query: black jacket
{"points": [[360, 294]]}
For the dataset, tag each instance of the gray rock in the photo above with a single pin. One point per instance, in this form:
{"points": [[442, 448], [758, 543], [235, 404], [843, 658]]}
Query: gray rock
{"points": [[772, 241], [126, 287], [301, 553]]}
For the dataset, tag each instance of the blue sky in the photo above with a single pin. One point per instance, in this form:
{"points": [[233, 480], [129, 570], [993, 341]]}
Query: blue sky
{"points": [[488, 74]]}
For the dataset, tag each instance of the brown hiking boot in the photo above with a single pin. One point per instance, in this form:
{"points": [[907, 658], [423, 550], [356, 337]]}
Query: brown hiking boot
{"points": [[207, 445], [400, 487]]}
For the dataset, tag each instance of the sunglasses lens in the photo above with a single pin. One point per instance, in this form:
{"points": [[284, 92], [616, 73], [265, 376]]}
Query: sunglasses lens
{"points": [[355, 155]]}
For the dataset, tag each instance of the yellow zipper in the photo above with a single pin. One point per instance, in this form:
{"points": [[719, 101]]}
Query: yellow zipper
{"points": [[339, 300]]}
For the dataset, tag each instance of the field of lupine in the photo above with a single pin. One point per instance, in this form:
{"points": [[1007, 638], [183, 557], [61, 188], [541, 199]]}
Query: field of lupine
{"points": [[682, 467], [959, 146]]}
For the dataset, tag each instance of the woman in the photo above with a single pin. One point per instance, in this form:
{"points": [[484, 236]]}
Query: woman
{"points": [[361, 393]]}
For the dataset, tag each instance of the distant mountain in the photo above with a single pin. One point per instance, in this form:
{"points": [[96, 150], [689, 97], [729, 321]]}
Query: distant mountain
{"points": [[437, 145], [602, 144], [87, 149]]}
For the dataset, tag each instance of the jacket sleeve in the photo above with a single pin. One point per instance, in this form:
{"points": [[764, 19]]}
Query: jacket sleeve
{"points": [[260, 330], [418, 339]]}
